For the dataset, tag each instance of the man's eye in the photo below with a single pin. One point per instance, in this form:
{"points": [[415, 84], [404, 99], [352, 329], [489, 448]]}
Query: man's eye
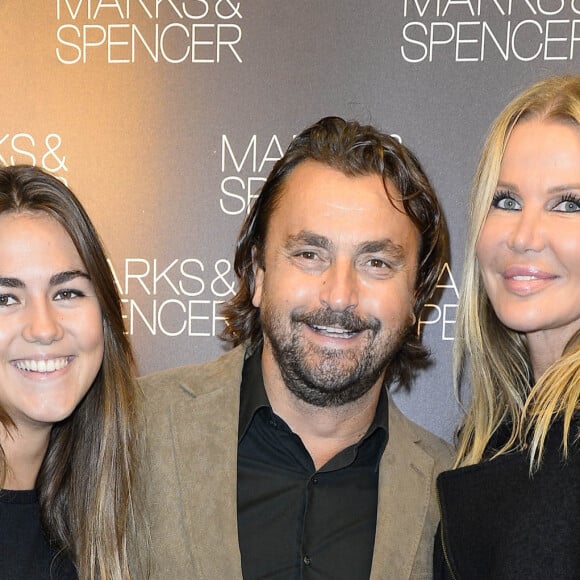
{"points": [[380, 268], [308, 255]]}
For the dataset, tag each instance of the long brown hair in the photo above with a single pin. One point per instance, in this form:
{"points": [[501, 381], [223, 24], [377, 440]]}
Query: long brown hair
{"points": [[86, 480]]}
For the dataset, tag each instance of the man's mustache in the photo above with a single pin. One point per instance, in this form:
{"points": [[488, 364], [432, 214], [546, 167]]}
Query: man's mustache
{"points": [[347, 319]]}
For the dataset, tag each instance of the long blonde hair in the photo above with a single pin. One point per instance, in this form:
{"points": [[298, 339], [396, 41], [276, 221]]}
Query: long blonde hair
{"points": [[86, 483], [496, 358]]}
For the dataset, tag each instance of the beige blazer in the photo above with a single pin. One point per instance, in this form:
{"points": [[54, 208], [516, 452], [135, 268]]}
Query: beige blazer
{"points": [[190, 471]]}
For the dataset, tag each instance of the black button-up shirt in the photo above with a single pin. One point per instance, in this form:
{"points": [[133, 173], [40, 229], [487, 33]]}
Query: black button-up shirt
{"points": [[295, 521]]}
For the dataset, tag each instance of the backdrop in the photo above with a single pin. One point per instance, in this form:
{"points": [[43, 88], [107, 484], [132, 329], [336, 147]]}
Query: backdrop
{"points": [[165, 116]]}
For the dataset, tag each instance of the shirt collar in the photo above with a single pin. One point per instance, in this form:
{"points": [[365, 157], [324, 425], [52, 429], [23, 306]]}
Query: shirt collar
{"points": [[380, 422], [253, 393]]}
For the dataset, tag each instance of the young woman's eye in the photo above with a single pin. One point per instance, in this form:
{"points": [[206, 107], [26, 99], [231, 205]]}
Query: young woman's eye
{"points": [[7, 300], [568, 204], [68, 294], [505, 200]]}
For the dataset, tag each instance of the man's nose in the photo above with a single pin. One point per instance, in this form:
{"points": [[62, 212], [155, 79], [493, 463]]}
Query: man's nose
{"points": [[340, 290]]}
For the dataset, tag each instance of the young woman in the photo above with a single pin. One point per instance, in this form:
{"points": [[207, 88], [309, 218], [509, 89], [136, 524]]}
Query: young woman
{"points": [[511, 508], [68, 402]]}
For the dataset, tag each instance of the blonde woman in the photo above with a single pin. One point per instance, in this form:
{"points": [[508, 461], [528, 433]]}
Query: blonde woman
{"points": [[67, 398], [511, 508]]}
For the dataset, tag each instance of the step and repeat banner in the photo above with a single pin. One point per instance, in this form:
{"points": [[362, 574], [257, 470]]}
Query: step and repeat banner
{"points": [[165, 116]]}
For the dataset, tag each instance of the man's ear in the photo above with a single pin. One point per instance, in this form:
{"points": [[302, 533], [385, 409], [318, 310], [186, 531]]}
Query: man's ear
{"points": [[258, 278]]}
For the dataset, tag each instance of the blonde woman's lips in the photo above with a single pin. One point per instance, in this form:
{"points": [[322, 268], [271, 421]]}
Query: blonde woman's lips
{"points": [[524, 280]]}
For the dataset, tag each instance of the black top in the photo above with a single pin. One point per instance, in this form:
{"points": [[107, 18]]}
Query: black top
{"points": [[24, 551], [294, 521], [499, 523]]}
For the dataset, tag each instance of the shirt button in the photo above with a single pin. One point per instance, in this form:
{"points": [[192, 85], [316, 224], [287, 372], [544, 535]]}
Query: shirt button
{"points": [[306, 560], [315, 480]]}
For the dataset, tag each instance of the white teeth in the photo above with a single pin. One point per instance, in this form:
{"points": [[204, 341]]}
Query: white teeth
{"points": [[42, 366], [332, 330], [525, 278]]}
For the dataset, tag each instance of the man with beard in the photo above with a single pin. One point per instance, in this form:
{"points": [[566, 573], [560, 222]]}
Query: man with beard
{"points": [[286, 458]]}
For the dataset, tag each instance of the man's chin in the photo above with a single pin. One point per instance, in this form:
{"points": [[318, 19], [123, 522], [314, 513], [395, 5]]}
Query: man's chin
{"points": [[327, 391], [319, 355], [330, 377]]}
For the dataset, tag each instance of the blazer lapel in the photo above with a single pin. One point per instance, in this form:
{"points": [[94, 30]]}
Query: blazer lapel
{"points": [[404, 493], [205, 441]]}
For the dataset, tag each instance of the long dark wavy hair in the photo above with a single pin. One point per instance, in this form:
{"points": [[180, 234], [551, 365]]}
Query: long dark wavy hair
{"points": [[86, 480], [355, 150]]}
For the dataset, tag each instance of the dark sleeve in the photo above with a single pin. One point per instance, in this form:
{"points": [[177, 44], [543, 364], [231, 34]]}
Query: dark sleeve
{"points": [[440, 569]]}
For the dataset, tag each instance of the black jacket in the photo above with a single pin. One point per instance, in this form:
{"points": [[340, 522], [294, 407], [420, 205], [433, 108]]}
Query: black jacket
{"points": [[500, 523]]}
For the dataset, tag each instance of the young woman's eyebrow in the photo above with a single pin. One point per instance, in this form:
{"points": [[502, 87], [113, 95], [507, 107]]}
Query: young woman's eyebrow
{"points": [[63, 277], [11, 282]]}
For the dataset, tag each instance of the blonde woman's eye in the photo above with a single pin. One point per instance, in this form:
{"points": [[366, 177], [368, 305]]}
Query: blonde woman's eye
{"points": [[506, 201], [568, 204]]}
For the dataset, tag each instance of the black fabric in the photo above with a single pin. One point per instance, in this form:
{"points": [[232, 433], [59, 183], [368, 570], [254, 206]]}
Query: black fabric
{"points": [[294, 521], [499, 523], [24, 551], [440, 567]]}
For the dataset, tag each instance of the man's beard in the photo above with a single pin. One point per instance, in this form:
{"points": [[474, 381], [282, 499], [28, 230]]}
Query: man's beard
{"points": [[330, 377]]}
